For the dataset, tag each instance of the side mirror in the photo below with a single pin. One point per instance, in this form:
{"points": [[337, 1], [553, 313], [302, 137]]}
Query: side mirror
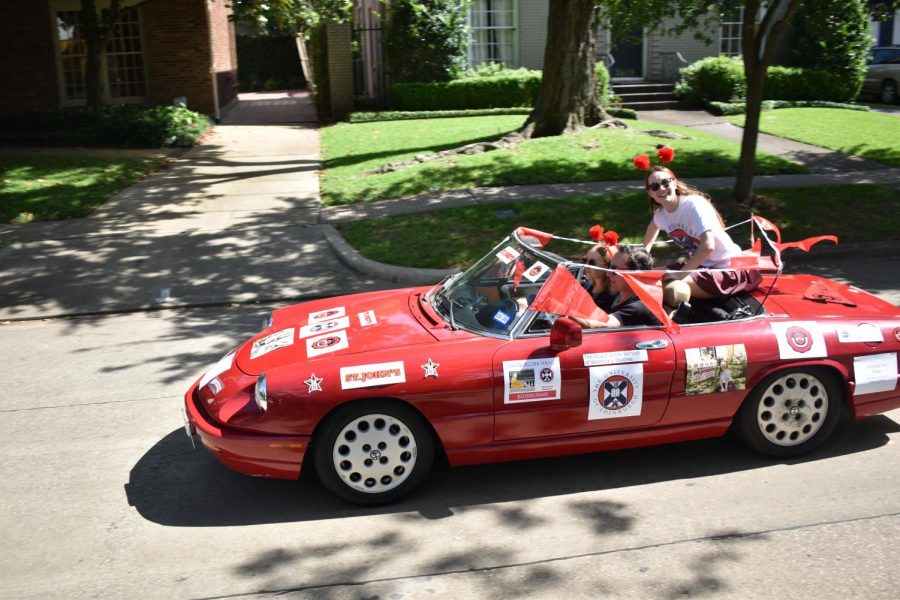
{"points": [[565, 334]]}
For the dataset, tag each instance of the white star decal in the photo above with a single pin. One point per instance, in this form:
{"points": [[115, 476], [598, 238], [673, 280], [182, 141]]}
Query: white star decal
{"points": [[431, 368], [314, 383]]}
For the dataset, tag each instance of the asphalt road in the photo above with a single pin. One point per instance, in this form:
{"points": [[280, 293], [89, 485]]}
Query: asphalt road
{"points": [[103, 496]]}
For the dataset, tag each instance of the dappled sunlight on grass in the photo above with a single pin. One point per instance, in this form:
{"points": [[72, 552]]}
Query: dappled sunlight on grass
{"points": [[591, 155], [465, 234], [42, 188]]}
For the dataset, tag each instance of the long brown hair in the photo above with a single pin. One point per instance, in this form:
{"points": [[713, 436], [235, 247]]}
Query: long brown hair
{"points": [[681, 189]]}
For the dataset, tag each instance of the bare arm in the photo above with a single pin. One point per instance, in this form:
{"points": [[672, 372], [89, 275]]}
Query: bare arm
{"points": [[650, 236], [593, 324], [707, 245]]}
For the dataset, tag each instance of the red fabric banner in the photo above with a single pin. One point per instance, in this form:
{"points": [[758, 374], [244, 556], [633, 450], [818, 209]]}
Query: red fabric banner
{"points": [[808, 243], [646, 285], [540, 236], [563, 295], [767, 225]]}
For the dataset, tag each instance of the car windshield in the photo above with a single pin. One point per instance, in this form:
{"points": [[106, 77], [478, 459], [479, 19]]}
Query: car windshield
{"points": [[493, 295]]}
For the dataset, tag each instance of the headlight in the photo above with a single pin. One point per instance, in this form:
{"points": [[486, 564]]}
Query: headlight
{"points": [[267, 321], [259, 394]]}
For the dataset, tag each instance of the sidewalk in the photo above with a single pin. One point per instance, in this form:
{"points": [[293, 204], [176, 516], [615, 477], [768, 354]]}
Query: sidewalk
{"points": [[238, 219]]}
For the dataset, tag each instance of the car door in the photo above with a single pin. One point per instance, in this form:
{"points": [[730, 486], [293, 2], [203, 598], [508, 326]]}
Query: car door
{"points": [[617, 379]]}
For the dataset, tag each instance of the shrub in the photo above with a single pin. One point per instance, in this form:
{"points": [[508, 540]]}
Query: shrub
{"points": [[425, 40], [396, 115], [834, 36], [123, 126], [519, 88], [795, 83], [488, 86], [712, 79]]}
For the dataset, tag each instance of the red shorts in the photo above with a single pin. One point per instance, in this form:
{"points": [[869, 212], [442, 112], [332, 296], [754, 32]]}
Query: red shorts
{"points": [[720, 284]]}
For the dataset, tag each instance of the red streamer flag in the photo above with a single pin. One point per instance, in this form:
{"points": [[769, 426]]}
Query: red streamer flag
{"points": [[646, 286], [542, 238], [563, 295]]}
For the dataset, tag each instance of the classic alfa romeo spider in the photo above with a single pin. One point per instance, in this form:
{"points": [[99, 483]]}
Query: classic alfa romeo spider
{"points": [[487, 366]]}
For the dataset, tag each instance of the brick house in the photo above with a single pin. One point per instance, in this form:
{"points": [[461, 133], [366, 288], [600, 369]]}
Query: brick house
{"points": [[161, 50]]}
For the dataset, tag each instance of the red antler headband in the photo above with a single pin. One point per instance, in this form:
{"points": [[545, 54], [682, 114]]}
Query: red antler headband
{"points": [[664, 153], [610, 238]]}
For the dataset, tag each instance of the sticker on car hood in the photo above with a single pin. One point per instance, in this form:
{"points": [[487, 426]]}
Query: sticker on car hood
{"points": [[279, 339]]}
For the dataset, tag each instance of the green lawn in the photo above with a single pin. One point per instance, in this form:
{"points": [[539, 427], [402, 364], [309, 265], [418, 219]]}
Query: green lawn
{"points": [[351, 151], [44, 187], [871, 135], [457, 237]]}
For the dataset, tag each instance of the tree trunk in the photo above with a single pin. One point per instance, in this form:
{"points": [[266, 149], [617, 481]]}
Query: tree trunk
{"points": [[743, 186], [568, 99], [94, 46]]}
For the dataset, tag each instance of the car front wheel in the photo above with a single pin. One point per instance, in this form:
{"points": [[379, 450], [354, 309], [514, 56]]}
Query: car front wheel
{"points": [[791, 412], [888, 92], [373, 452]]}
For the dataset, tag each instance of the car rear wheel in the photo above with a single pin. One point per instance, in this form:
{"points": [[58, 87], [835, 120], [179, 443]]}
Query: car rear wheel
{"points": [[373, 452], [791, 412], [888, 92]]}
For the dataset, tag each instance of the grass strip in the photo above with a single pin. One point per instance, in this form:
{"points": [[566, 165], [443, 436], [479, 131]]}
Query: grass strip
{"points": [[456, 237]]}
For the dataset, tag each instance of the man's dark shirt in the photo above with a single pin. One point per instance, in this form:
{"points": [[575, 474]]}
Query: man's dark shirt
{"points": [[633, 312]]}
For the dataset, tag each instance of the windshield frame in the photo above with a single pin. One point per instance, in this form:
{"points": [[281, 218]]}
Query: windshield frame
{"points": [[441, 294]]}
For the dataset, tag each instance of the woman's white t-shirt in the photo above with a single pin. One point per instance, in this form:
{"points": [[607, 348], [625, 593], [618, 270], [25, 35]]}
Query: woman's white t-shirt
{"points": [[693, 217]]}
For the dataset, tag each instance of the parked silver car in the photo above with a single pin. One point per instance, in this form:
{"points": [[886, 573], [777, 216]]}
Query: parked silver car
{"points": [[883, 73]]}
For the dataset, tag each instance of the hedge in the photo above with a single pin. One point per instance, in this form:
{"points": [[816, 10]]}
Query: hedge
{"points": [[739, 108], [494, 89], [721, 79], [118, 126]]}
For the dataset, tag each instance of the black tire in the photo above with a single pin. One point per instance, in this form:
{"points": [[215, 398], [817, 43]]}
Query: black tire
{"points": [[888, 93], [373, 452], [791, 412]]}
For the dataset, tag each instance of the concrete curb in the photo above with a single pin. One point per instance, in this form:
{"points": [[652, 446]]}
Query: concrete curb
{"points": [[356, 261]]}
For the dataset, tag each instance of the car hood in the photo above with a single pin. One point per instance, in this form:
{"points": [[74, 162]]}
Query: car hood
{"points": [[324, 329]]}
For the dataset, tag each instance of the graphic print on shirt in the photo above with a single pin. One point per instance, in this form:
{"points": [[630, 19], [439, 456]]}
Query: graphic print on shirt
{"points": [[684, 240]]}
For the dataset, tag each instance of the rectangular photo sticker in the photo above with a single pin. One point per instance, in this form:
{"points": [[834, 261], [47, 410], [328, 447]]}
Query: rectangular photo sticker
{"points": [[531, 380], [714, 369]]}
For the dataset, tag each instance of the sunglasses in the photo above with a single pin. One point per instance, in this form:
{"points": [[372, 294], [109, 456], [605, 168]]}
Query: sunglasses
{"points": [[658, 184]]}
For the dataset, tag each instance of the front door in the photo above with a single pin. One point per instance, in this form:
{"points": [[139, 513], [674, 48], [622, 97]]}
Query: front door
{"points": [[615, 380], [628, 54]]}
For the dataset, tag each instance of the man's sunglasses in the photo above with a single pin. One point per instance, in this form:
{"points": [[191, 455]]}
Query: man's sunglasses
{"points": [[658, 184]]}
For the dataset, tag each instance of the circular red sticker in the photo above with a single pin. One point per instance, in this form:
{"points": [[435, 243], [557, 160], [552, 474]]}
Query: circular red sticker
{"points": [[799, 339], [618, 391], [325, 342], [897, 334]]}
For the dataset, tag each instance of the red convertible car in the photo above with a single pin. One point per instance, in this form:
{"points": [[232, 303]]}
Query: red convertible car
{"points": [[368, 387]]}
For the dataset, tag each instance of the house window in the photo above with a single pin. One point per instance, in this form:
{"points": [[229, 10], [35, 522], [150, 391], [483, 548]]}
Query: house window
{"points": [[730, 34], [123, 71], [493, 32]]}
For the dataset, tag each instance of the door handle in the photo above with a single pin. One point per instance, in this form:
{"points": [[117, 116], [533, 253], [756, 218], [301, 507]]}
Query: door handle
{"points": [[652, 345]]}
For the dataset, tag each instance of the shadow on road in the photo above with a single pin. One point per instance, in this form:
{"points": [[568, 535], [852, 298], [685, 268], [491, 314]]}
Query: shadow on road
{"points": [[180, 487]]}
